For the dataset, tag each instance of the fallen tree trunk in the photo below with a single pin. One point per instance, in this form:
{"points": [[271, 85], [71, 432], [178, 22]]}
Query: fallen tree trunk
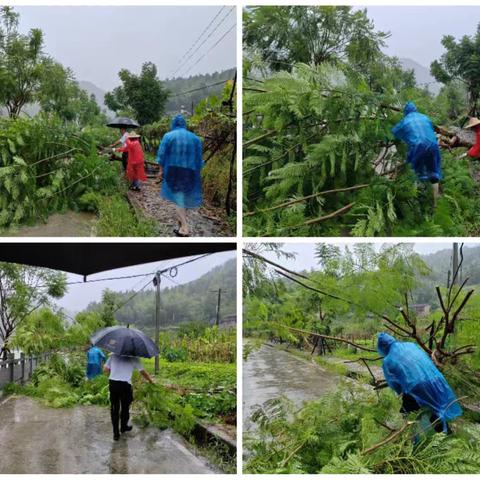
{"points": [[451, 137]]}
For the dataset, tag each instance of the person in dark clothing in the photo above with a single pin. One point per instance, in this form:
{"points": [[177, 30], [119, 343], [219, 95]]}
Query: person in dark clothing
{"points": [[120, 370]]}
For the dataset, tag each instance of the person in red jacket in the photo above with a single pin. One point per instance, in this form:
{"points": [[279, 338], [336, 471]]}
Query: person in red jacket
{"points": [[135, 166], [474, 124]]}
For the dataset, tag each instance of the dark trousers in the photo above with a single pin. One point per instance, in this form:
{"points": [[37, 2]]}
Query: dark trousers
{"points": [[124, 160], [121, 396], [409, 404]]}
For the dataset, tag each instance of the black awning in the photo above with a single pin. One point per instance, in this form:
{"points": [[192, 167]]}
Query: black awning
{"points": [[89, 258]]}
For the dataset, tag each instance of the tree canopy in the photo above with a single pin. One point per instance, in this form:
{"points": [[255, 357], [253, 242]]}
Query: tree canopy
{"points": [[143, 95], [461, 62]]}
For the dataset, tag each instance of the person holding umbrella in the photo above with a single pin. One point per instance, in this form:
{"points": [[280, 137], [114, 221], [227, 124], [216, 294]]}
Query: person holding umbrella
{"points": [[122, 123], [126, 345], [180, 160], [119, 370], [135, 165]]}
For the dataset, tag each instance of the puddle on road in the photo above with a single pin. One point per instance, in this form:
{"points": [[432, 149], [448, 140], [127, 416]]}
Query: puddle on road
{"points": [[38, 439], [69, 224], [271, 373]]}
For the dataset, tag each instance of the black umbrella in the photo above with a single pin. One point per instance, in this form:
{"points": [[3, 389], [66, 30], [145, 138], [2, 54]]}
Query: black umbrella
{"points": [[123, 122], [125, 341]]}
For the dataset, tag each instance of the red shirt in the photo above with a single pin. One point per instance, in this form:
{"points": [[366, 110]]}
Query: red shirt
{"points": [[475, 150], [134, 150]]}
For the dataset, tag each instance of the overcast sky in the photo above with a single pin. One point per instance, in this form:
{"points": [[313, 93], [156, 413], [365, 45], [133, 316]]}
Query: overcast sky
{"points": [[416, 32], [96, 42], [79, 296], [305, 258]]}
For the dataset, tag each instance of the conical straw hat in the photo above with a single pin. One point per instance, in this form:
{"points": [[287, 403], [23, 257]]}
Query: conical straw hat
{"points": [[473, 122]]}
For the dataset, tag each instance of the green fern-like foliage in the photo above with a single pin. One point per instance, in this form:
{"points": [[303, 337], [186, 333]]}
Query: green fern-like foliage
{"points": [[46, 165], [334, 434], [322, 128]]}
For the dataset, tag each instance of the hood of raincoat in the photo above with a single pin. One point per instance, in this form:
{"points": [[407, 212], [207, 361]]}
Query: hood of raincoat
{"points": [[384, 342], [179, 122], [409, 108]]}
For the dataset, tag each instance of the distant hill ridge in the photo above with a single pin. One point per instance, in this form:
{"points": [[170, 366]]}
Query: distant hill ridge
{"points": [[422, 75], [175, 86]]}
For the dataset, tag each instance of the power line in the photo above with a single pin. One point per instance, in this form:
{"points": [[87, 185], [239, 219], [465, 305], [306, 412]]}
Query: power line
{"points": [[82, 282], [131, 297], [199, 88], [201, 35], [204, 41], [211, 48]]}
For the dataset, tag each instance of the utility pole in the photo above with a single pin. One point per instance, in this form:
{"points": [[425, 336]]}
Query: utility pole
{"points": [[156, 281], [217, 322], [455, 279], [219, 301]]}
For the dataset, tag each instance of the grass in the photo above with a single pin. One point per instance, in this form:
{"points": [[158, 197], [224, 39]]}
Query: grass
{"points": [[117, 219], [195, 375]]}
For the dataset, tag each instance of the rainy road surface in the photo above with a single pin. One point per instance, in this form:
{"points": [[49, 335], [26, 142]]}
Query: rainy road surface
{"points": [[38, 439], [270, 372], [68, 224]]}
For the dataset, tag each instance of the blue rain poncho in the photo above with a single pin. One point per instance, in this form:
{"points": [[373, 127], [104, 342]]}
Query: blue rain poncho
{"points": [[95, 357], [409, 370], [180, 156], [416, 130]]}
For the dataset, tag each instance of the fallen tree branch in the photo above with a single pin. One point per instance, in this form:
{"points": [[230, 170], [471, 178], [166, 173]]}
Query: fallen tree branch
{"points": [[308, 287], [308, 197], [340, 211], [327, 337], [389, 439]]}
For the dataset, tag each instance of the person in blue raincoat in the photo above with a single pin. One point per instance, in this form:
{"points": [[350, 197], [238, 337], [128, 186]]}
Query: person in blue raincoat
{"points": [[410, 372], [180, 160], [95, 360], [417, 131]]}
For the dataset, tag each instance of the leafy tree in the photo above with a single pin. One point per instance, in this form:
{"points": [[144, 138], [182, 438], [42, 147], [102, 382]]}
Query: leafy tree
{"points": [[85, 325], [60, 94], [461, 62], [28, 75], [23, 290], [42, 331], [21, 63], [144, 95], [108, 307], [287, 35]]}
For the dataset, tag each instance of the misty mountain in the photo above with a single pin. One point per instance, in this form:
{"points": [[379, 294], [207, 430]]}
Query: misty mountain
{"points": [[440, 264], [422, 75], [199, 83], [194, 301], [97, 92]]}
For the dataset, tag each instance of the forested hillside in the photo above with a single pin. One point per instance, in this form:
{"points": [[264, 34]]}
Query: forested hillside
{"points": [[193, 302], [187, 91]]}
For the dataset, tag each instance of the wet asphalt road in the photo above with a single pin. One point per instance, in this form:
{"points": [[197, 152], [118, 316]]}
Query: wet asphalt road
{"points": [[38, 439], [270, 373]]}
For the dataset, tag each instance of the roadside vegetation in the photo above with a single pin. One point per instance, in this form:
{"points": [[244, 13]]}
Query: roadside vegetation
{"points": [[331, 315]]}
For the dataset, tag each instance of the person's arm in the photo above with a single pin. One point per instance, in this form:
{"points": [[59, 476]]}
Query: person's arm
{"points": [[115, 143], [474, 152], [146, 376], [142, 371], [106, 367], [161, 154], [199, 154], [397, 130]]}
